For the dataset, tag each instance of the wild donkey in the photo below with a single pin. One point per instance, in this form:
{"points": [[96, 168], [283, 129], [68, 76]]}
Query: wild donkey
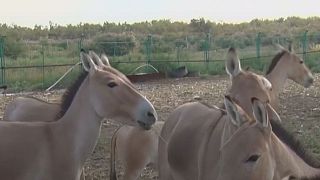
{"points": [[205, 143], [286, 65], [58, 149], [135, 148]]}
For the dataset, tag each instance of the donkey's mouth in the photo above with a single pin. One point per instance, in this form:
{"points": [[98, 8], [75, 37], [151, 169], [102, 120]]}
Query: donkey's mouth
{"points": [[144, 125]]}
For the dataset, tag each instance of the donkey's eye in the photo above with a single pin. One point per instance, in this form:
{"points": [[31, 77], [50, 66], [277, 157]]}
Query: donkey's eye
{"points": [[253, 158], [112, 84], [301, 62]]}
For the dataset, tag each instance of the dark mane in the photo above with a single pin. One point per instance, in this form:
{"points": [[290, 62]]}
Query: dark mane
{"points": [[275, 60], [295, 145], [69, 94]]}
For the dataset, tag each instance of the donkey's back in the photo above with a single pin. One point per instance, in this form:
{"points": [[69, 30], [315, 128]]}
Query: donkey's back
{"points": [[30, 109]]}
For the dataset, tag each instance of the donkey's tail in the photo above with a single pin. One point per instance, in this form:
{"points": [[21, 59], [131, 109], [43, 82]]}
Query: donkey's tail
{"points": [[113, 173]]}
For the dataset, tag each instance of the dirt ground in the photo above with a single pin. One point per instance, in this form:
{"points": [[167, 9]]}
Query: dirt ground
{"points": [[300, 112]]}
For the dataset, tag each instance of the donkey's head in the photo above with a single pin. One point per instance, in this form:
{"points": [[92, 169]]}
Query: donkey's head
{"points": [[247, 153], [245, 85], [112, 94], [296, 68]]}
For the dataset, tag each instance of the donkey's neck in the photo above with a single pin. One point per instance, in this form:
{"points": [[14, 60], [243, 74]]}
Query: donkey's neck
{"points": [[288, 163], [81, 127], [277, 77], [210, 147]]}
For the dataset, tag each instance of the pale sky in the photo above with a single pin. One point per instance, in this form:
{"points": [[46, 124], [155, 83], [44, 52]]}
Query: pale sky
{"points": [[31, 12]]}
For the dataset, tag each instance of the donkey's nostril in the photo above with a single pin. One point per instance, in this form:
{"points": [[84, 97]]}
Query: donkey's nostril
{"points": [[150, 114]]}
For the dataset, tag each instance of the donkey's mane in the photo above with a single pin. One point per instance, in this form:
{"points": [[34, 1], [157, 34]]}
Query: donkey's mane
{"points": [[69, 95], [275, 60], [295, 145]]}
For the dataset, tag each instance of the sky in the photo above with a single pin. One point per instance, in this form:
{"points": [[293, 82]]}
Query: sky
{"points": [[40, 12]]}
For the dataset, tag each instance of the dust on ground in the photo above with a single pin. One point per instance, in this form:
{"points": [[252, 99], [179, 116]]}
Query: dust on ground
{"points": [[300, 112]]}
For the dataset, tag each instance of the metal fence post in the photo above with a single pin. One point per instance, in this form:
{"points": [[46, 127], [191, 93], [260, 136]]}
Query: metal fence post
{"points": [[42, 52], [178, 54], [148, 48], [304, 44], [207, 45], [2, 61], [80, 46], [258, 45]]}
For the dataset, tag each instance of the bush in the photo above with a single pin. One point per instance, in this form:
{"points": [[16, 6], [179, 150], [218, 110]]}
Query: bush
{"points": [[14, 48], [113, 44]]}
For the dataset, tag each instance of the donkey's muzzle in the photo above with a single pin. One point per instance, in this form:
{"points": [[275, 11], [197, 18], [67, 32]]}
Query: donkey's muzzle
{"points": [[149, 120], [147, 115], [308, 82]]}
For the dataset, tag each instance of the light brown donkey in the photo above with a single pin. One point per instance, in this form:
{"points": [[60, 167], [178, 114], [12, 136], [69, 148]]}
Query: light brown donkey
{"points": [[57, 150], [135, 148], [203, 146], [245, 85], [286, 65]]}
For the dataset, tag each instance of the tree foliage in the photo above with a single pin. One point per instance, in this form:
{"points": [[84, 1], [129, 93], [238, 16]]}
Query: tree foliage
{"points": [[167, 35]]}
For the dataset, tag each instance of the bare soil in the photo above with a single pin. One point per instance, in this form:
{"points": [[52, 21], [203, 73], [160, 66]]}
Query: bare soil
{"points": [[300, 112]]}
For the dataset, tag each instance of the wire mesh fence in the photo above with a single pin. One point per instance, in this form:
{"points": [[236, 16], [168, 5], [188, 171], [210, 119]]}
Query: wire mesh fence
{"points": [[37, 65]]}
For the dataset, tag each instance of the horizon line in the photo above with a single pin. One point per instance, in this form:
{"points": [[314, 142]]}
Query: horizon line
{"points": [[187, 21]]}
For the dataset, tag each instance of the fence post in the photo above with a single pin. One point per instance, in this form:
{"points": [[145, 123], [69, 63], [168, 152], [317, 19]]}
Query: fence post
{"points": [[80, 46], [42, 52], [148, 48], [2, 61], [178, 53], [258, 45], [304, 44], [207, 45]]}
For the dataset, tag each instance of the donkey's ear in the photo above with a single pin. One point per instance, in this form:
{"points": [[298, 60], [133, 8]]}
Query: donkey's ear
{"points": [[87, 62], [260, 112], [273, 115], [233, 66], [233, 112], [96, 58], [105, 59]]}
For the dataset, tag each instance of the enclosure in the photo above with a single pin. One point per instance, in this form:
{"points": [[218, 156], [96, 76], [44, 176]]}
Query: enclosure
{"points": [[36, 65]]}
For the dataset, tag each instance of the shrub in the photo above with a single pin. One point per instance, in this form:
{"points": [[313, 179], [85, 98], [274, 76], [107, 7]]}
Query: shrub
{"points": [[113, 44], [14, 48]]}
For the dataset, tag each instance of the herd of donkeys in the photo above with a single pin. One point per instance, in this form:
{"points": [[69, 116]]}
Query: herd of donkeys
{"points": [[242, 139]]}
